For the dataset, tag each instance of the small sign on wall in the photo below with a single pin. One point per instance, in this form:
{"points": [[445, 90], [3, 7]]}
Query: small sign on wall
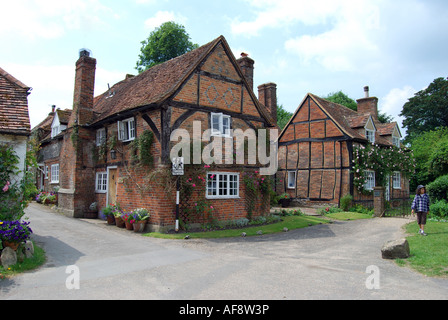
{"points": [[178, 166]]}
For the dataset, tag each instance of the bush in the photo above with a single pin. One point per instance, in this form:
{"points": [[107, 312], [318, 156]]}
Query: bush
{"points": [[346, 202], [439, 209], [438, 190]]}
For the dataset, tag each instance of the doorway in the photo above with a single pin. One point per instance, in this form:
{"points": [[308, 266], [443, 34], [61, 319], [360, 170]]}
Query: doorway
{"points": [[112, 176]]}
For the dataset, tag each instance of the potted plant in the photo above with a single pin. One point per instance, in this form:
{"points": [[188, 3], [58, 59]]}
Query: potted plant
{"points": [[108, 213], [284, 199], [139, 219], [119, 222], [13, 233], [127, 217]]}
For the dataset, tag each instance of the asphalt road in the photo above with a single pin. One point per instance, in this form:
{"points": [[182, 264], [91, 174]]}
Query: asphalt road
{"points": [[320, 262]]}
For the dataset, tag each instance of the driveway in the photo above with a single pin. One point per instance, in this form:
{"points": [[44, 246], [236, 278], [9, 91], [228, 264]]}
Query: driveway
{"points": [[320, 262]]}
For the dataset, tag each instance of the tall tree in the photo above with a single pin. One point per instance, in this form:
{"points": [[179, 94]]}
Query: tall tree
{"points": [[427, 110], [166, 42]]}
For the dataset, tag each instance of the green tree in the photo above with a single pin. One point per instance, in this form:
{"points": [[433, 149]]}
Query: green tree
{"points": [[283, 117], [430, 151], [341, 98], [166, 42], [427, 110]]}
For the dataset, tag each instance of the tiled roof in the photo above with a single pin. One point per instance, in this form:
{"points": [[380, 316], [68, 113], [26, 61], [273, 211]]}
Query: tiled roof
{"points": [[152, 86], [350, 120], [156, 84], [14, 117]]}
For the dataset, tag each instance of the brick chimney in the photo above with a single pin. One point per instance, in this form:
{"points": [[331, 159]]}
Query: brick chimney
{"points": [[368, 105], [247, 66], [267, 95], [84, 89]]}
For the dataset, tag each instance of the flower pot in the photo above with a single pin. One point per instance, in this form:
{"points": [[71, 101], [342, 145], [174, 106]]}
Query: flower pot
{"points": [[119, 222], [110, 220], [128, 225], [11, 244], [139, 227]]}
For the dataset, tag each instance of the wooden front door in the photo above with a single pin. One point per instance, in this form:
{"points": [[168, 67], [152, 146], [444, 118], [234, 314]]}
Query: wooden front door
{"points": [[112, 186]]}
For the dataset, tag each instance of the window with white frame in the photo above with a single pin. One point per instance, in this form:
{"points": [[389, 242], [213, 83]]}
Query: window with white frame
{"points": [[55, 173], [46, 172], [222, 185], [101, 182], [291, 179], [370, 180], [126, 130], [396, 180], [370, 135], [221, 125], [100, 136]]}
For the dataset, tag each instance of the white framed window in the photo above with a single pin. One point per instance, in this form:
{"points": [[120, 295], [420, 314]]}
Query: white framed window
{"points": [[100, 136], [396, 141], [222, 185], [221, 125], [101, 182], [291, 179], [55, 173], [126, 130], [370, 135], [55, 131], [396, 180], [370, 180]]}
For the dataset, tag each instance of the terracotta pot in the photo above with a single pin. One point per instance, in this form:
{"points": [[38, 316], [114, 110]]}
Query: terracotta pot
{"points": [[128, 225], [139, 227], [110, 220], [119, 222], [13, 245]]}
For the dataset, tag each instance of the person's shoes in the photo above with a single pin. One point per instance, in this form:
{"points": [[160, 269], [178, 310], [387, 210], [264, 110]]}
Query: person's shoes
{"points": [[423, 233]]}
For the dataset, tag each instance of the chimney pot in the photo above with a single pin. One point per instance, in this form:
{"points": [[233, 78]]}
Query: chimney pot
{"points": [[366, 91], [84, 53]]}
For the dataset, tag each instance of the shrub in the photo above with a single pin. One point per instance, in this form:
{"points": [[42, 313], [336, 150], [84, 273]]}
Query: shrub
{"points": [[438, 189], [346, 202], [439, 209]]}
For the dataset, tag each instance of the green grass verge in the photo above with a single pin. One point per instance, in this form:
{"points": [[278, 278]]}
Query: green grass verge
{"points": [[348, 216], [36, 261], [290, 222], [429, 255]]}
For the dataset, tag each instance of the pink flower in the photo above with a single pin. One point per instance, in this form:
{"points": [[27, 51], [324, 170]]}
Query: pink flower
{"points": [[6, 187], [194, 185], [211, 207]]}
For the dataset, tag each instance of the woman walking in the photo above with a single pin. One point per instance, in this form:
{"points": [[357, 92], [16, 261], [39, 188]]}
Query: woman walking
{"points": [[420, 205]]}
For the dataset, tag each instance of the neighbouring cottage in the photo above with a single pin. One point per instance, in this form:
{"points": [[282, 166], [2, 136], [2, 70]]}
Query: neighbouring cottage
{"points": [[321, 146], [115, 148], [14, 117]]}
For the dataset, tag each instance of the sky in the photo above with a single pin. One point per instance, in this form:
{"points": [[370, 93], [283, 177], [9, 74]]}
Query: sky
{"points": [[397, 48]]}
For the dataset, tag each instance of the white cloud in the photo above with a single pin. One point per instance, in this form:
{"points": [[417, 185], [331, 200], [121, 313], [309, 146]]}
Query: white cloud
{"points": [[162, 17], [392, 104], [49, 19], [345, 36]]}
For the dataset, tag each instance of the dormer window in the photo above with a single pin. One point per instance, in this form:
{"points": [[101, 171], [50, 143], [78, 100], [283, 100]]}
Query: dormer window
{"points": [[56, 126], [370, 130]]}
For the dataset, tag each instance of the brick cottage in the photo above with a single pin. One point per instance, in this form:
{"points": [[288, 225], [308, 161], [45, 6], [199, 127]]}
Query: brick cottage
{"points": [[115, 148], [316, 151]]}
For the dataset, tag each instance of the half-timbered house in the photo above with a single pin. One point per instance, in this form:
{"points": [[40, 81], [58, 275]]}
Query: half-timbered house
{"points": [[316, 151], [116, 146]]}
